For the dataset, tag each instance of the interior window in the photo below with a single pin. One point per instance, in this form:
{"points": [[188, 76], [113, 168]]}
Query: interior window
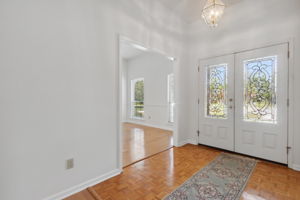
{"points": [[171, 98], [137, 98]]}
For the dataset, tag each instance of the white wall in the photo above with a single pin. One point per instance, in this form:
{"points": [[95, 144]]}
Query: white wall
{"points": [[154, 68], [247, 25], [58, 87]]}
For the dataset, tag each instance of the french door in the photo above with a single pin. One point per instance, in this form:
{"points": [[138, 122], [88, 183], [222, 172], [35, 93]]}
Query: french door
{"points": [[216, 113], [243, 102]]}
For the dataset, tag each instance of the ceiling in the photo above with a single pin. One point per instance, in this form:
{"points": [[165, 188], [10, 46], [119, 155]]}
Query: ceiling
{"points": [[129, 51], [189, 10]]}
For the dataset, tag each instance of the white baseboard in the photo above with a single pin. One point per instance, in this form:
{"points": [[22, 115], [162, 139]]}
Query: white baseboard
{"points": [[187, 141], [296, 167], [192, 141], [168, 128], [182, 143], [83, 186]]}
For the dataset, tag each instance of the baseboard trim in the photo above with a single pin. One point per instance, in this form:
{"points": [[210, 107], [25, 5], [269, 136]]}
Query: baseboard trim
{"points": [[149, 125], [187, 141], [296, 167], [83, 186], [192, 141], [182, 143]]}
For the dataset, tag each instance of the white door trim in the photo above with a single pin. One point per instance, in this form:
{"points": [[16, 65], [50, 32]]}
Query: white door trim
{"points": [[291, 46]]}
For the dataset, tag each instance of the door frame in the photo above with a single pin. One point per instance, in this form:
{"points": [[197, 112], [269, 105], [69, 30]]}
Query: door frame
{"points": [[290, 109], [119, 73]]}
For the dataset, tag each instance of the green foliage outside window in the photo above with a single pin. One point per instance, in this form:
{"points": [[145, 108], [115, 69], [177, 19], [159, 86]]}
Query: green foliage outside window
{"points": [[138, 104], [139, 91]]}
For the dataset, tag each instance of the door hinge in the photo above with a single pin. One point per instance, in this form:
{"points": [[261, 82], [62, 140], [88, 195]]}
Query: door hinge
{"points": [[288, 149], [198, 69], [198, 132], [198, 101], [288, 102]]}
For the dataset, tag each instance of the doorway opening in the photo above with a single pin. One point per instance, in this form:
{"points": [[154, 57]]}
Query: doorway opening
{"points": [[147, 102]]}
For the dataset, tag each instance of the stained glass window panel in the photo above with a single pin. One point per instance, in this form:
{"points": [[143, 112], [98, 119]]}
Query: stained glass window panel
{"points": [[216, 91], [260, 90]]}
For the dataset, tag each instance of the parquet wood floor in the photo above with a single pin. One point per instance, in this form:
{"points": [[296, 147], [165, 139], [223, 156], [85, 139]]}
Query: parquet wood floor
{"points": [[83, 195], [157, 176], [140, 142]]}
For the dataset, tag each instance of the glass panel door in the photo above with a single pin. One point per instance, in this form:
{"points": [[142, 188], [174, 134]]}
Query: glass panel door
{"points": [[261, 85], [216, 91], [243, 102]]}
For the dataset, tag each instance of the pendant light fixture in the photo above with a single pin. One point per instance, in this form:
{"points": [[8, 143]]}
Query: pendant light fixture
{"points": [[212, 12]]}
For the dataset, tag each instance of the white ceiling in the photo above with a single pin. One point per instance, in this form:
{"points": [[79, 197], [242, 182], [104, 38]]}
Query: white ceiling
{"points": [[128, 51], [189, 10]]}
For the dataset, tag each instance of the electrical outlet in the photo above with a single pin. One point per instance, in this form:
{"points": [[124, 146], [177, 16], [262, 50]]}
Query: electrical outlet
{"points": [[70, 163]]}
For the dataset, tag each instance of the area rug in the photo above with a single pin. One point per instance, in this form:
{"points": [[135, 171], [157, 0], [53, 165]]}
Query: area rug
{"points": [[223, 179]]}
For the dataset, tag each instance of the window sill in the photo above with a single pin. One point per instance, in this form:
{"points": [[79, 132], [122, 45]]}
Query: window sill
{"points": [[137, 118]]}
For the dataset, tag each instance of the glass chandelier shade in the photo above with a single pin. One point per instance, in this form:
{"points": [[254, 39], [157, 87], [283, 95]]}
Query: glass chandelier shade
{"points": [[212, 12]]}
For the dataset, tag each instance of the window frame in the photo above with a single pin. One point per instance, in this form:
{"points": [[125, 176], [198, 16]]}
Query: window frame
{"points": [[171, 102]]}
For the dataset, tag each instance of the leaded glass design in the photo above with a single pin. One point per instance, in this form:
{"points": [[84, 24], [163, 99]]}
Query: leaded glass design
{"points": [[260, 90], [216, 105]]}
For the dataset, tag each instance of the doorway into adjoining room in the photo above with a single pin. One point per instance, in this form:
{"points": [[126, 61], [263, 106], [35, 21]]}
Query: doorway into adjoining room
{"points": [[147, 102]]}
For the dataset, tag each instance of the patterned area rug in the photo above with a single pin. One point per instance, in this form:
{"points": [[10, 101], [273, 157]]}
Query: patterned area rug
{"points": [[223, 179]]}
